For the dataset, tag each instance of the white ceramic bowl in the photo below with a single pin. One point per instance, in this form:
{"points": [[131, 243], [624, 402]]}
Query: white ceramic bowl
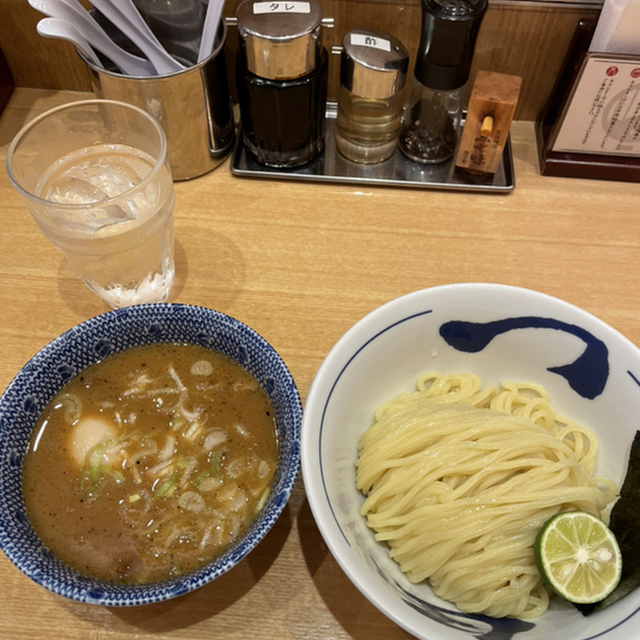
{"points": [[40, 379], [591, 371]]}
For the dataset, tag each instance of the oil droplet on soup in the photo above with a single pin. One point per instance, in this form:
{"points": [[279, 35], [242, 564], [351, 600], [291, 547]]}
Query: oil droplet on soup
{"points": [[150, 463]]}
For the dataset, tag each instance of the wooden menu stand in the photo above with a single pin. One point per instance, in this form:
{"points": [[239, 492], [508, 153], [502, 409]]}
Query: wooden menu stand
{"points": [[577, 165]]}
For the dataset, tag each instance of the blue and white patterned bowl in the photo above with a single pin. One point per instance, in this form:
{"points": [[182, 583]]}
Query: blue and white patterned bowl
{"points": [[500, 333], [40, 379]]}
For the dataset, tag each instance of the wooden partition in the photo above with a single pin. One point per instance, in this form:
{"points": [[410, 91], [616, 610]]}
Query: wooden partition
{"points": [[528, 39]]}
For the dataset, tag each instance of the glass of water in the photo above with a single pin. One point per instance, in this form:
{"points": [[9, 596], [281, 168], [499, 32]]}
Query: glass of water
{"points": [[95, 177]]}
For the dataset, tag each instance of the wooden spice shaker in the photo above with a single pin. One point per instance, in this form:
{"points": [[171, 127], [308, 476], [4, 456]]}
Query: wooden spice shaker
{"points": [[492, 105]]}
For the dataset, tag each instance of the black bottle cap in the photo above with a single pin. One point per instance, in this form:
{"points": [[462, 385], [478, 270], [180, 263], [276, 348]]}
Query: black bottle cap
{"points": [[447, 41]]}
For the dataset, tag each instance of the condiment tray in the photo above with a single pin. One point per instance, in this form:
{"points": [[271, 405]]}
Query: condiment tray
{"points": [[397, 171]]}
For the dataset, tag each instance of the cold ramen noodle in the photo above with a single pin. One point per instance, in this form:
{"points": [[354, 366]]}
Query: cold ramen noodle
{"points": [[150, 463], [458, 481]]}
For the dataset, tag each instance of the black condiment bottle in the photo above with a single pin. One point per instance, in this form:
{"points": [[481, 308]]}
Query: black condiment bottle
{"points": [[282, 81], [433, 113]]}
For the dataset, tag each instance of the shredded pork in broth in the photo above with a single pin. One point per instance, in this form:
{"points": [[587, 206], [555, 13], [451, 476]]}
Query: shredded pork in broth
{"points": [[150, 463]]}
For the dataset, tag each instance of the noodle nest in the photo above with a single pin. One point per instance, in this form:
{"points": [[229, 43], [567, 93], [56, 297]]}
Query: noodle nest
{"points": [[458, 481]]}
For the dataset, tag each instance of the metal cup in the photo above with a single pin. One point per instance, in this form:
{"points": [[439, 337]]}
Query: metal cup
{"points": [[193, 106]]}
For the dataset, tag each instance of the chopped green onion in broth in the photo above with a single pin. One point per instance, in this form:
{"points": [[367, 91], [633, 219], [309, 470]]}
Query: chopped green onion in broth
{"points": [[151, 463]]}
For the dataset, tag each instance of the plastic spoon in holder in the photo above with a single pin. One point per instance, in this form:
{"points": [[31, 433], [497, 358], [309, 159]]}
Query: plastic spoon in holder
{"points": [[59, 29], [129, 64], [75, 14], [158, 56], [210, 28]]}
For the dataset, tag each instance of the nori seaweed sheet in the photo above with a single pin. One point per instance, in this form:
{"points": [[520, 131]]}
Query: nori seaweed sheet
{"points": [[625, 524]]}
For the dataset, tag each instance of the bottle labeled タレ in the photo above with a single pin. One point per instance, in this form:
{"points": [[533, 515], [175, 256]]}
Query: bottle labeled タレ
{"points": [[282, 81]]}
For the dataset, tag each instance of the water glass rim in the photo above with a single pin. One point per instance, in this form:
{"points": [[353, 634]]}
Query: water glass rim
{"points": [[160, 161]]}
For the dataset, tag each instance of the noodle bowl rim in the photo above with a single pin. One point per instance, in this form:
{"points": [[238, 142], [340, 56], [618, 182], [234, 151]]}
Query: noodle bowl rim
{"points": [[381, 591]]}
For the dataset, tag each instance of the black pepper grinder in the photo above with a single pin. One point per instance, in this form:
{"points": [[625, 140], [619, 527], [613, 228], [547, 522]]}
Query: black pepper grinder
{"points": [[433, 113], [282, 80]]}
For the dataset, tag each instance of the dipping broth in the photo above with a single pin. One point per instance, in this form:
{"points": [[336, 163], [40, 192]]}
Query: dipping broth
{"points": [[150, 463]]}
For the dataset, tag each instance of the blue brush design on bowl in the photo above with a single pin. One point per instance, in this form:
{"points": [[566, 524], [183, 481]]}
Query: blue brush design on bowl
{"points": [[587, 375], [40, 379]]}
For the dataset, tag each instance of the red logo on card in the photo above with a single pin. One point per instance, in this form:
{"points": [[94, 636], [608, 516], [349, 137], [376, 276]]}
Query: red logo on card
{"points": [[635, 73], [612, 71]]}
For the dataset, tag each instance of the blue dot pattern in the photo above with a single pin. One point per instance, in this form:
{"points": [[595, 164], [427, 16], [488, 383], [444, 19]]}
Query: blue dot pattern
{"points": [[41, 378]]}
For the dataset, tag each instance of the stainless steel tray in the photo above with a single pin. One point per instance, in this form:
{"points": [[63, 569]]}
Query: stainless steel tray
{"points": [[397, 171]]}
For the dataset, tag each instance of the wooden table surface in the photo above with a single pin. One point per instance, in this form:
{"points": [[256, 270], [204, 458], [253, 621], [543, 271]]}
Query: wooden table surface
{"points": [[301, 263]]}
